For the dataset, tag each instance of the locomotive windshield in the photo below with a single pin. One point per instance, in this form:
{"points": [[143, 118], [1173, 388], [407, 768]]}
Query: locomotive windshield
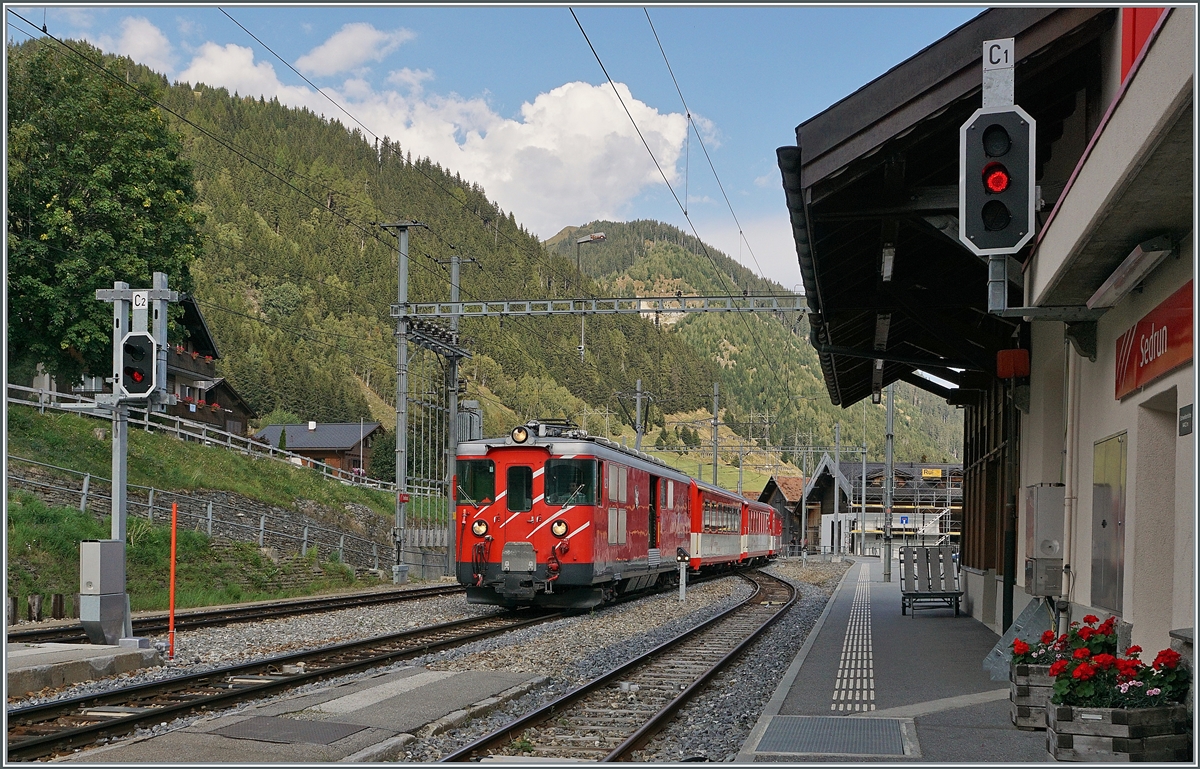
{"points": [[571, 482], [476, 481]]}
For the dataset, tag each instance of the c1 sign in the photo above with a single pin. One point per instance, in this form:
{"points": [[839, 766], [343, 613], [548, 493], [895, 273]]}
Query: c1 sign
{"points": [[1157, 344]]}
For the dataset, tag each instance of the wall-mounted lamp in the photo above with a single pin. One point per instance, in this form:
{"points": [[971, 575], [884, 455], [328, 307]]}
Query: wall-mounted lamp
{"points": [[1144, 258]]}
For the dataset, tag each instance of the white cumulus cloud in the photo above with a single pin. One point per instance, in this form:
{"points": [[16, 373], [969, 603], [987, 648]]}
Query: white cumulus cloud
{"points": [[351, 47], [571, 156], [233, 67], [413, 79], [141, 41]]}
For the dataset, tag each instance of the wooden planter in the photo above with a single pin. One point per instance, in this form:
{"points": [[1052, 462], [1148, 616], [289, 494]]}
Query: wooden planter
{"points": [[1029, 690], [1117, 734]]}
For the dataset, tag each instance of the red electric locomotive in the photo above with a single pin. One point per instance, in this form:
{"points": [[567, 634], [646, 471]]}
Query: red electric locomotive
{"points": [[551, 516]]}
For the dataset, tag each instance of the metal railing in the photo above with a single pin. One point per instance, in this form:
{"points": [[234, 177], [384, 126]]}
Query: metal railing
{"points": [[188, 430], [216, 519]]}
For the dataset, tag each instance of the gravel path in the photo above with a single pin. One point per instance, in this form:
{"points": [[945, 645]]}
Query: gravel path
{"points": [[568, 651]]}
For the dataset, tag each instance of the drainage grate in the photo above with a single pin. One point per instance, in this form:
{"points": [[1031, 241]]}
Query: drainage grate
{"points": [[288, 730], [833, 735]]}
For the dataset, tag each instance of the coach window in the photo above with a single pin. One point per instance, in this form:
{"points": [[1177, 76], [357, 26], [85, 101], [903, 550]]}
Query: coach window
{"points": [[520, 489], [571, 482], [476, 482]]}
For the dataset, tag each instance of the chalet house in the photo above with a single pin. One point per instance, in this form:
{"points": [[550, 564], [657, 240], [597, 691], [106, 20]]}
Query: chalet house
{"points": [[345, 445], [192, 378], [784, 493]]}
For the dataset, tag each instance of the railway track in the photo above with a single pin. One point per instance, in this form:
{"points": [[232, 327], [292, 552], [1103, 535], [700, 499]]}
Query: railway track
{"points": [[59, 727], [229, 615], [609, 718]]}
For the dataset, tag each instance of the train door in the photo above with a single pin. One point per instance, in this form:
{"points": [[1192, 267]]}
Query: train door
{"points": [[652, 523]]}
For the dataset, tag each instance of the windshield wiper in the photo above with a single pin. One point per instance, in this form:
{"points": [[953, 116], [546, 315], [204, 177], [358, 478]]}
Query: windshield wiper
{"points": [[578, 489], [468, 496]]}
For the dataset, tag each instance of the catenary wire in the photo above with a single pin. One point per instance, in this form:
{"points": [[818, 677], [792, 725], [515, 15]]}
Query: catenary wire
{"points": [[720, 275]]}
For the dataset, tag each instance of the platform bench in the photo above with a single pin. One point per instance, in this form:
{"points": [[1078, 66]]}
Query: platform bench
{"points": [[928, 579]]}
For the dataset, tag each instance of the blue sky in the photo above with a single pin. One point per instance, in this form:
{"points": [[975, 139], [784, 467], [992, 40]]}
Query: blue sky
{"points": [[513, 98]]}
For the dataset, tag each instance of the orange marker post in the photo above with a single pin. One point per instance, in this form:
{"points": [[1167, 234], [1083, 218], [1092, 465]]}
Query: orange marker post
{"points": [[171, 610]]}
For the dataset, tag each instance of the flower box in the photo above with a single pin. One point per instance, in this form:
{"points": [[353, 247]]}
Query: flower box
{"points": [[1029, 690], [1075, 733]]}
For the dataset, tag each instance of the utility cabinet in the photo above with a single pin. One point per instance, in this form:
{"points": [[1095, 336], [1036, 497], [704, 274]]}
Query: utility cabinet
{"points": [[1045, 506]]}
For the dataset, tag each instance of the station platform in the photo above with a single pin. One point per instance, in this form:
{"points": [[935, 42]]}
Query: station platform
{"points": [[33, 667], [370, 719], [870, 684]]}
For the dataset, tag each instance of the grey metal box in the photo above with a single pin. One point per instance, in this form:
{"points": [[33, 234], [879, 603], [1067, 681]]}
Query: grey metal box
{"points": [[102, 617], [1045, 505], [1043, 576], [101, 566]]}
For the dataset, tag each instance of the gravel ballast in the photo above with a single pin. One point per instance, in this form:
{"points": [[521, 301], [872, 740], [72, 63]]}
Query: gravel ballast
{"points": [[567, 652]]}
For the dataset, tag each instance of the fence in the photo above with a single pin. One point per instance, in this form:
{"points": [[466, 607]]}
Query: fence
{"points": [[188, 430], [211, 513]]}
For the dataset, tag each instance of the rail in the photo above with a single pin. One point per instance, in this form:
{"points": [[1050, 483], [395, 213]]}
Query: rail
{"points": [[584, 722], [58, 727], [189, 430]]}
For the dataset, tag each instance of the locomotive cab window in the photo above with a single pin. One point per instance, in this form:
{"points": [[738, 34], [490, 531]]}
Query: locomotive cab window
{"points": [[571, 482], [476, 482], [520, 489]]}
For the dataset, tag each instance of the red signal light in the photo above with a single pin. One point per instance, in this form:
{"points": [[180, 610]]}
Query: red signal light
{"points": [[136, 375], [996, 178]]}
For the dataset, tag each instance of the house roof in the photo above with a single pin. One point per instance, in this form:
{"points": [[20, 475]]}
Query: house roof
{"points": [[328, 436], [827, 468], [229, 395], [792, 486], [881, 166], [197, 328]]}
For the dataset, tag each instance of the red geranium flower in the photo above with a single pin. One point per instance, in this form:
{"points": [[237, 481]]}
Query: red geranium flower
{"points": [[1108, 627], [1058, 667], [1104, 661], [1084, 672], [1082, 654], [1133, 651], [1086, 632], [1091, 619], [1127, 669], [1048, 637], [1167, 658], [1020, 647]]}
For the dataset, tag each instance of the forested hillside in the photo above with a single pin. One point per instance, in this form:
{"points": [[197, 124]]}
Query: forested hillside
{"points": [[769, 372], [296, 278]]}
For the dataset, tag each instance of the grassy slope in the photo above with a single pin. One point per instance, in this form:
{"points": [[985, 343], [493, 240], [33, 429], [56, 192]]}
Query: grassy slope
{"points": [[68, 440], [43, 558]]}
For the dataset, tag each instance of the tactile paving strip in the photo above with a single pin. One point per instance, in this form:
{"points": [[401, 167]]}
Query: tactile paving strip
{"points": [[288, 730], [833, 735]]}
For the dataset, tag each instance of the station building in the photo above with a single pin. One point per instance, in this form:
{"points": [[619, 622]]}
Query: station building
{"points": [[1100, 416]]}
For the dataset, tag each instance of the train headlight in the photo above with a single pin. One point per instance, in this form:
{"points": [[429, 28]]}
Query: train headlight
{"points": [[479, 528], [559, 528], [520, 434]]}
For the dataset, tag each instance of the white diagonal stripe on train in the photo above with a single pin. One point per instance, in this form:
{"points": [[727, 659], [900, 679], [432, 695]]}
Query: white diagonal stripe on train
{"points": [[543, 523], [581, 528]]}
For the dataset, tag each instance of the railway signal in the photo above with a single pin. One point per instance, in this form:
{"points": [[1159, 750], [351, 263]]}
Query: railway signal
{"points": [[138, 376], [996, 180]]}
